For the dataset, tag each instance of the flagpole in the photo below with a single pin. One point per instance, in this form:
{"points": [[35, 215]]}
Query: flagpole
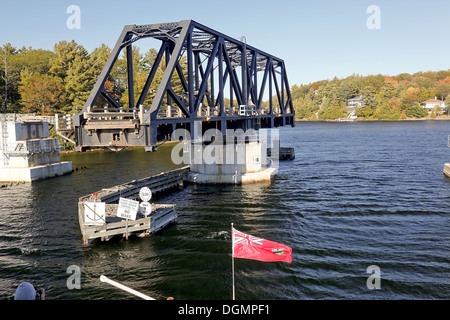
{"points": [[232, 255]]}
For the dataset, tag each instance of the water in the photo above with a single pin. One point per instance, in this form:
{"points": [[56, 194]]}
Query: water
{"points": [[356, 195]]}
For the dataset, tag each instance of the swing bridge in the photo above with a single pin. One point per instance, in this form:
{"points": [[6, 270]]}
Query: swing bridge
{"points": [[223, 84]]}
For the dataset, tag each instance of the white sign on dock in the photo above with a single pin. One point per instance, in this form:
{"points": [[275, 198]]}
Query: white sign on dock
{"points": [[145, 194], [127, 209], [145, 208], [94, 213]]}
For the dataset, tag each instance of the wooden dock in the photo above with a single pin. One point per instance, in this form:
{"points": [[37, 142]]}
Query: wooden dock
{"points": [[162, 214]]}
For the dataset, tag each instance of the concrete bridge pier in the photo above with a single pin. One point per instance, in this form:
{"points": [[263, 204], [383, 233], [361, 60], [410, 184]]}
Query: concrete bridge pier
{"points": [[230, 159]]}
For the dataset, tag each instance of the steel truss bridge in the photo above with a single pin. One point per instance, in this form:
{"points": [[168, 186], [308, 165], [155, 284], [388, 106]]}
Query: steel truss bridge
{"points": [[219, 69]]}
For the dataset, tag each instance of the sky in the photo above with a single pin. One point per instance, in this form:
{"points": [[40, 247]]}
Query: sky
{"points": [[318, 40]]}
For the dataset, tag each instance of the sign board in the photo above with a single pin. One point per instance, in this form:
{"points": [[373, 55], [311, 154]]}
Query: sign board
{"points": [[145, 208], [145, 194], [127, 209], [94, 213]]}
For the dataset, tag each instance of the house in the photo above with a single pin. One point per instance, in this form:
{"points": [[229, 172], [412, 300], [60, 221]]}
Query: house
{"points": [[354, 103], [433, 103]]}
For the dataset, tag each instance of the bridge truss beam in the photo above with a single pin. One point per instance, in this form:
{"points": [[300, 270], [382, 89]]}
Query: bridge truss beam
{"points": [[215, 62]]}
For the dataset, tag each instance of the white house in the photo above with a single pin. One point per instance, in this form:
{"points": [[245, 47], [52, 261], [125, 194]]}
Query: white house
{"points": [[354, 103], [433, 103]]}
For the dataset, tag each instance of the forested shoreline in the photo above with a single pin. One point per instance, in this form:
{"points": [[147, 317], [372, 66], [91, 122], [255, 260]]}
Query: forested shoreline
{"points": [[384, 97], [59, 81]]}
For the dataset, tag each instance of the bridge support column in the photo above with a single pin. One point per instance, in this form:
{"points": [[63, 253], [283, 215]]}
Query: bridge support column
{"points": [[230, 162], [152, 138]]}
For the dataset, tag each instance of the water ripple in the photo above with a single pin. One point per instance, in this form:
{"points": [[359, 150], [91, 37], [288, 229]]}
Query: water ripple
{"points": [[357, 194]]}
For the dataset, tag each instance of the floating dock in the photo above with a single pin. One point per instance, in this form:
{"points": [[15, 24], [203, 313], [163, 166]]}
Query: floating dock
{"points": [[112, 225]]}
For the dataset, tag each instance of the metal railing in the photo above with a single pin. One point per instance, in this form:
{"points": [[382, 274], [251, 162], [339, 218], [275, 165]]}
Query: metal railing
{"points": [[28, 147], [246, 110], [26, 118], [63, 122]]}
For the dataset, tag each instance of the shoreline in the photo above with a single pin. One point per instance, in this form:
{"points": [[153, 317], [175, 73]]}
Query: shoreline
{"points": [[378, 120]]}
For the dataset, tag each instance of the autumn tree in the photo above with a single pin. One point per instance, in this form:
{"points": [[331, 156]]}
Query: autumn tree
{"points": [[41, 93]]}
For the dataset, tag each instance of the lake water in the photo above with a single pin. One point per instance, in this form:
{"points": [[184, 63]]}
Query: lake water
{"points": [[356, 195]]}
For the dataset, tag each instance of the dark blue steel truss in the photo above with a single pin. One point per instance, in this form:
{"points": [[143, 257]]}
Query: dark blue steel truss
{"points": [[213, 61]]}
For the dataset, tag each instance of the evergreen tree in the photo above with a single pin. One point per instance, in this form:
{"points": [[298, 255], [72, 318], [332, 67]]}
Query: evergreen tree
{"points": [[79, 83], [81, 77], [66, 53]]}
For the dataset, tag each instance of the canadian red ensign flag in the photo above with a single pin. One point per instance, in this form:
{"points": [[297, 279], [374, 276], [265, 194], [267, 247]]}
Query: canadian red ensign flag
{"points": [[249, 247]]}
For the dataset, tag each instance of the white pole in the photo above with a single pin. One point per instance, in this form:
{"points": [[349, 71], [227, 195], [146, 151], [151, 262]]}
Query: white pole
{"points": [[125, 288], [232, 256]]}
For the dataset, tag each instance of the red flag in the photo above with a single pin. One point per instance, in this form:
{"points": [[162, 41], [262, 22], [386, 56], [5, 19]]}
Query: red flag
{"points": [[249, 247]]}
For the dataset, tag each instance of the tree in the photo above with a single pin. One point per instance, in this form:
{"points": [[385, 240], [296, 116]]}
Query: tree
{"points": [[424, 94], [388, 90], [416, 111], [81, 77], [330, 109], [409, 99], [41, 93], [442, 90], [369, 104], [34, 60], [79, 82], [299, 92], [404, 76], [7, 51], [66, 52], [16, 61], [348, 90], [65, 55]]}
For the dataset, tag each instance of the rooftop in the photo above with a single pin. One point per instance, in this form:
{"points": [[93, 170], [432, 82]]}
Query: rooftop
{"points": [[432, 100]]}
